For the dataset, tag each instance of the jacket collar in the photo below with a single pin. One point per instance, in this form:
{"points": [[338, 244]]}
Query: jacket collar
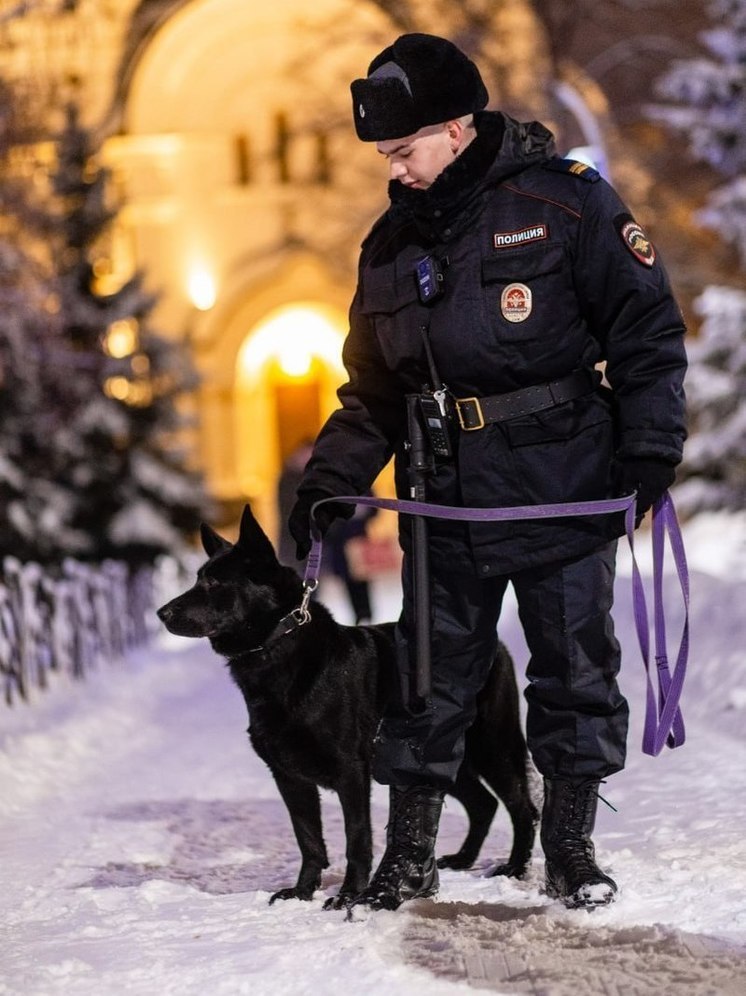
{"points": [[501, 148]]}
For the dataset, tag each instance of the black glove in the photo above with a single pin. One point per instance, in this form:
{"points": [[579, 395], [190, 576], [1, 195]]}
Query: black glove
{"points": [[299, 520], [650, 477]]}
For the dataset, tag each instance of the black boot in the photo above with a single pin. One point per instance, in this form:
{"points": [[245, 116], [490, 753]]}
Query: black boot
{"points": [[567, 820], [408, 869]]}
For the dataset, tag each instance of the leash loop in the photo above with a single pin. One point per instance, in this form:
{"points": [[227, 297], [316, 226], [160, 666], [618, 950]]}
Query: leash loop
{"points": [[668, 728]]}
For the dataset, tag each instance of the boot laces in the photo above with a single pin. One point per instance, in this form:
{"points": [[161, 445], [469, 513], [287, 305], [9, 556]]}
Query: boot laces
{"points": [[404, 831], [573, 847], [388, 874], [577, 855], [396, 863], [403, 823], [404, 849]]}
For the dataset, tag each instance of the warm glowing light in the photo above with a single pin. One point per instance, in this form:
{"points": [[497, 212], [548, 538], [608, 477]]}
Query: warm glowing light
{"points": [[294, 360], [121, 338], [117, 387], [201, 287], [292, 337], [136, 393]]}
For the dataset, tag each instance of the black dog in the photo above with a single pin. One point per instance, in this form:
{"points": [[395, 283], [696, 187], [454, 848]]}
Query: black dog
{"points": [[313, 690]]}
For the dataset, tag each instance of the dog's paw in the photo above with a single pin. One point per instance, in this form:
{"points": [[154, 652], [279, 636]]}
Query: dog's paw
{"points": [[508, 870], [457, 862], [294, 893], [341, 901]]}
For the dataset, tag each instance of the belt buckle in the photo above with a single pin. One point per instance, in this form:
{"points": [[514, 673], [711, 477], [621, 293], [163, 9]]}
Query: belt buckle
{"points": [[475, 402]]}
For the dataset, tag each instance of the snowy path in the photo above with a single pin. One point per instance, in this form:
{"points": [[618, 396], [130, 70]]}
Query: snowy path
{"points": [[141, 838]]}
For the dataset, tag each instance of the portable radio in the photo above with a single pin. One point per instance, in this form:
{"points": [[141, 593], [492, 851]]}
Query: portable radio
{"points": [[435, 423]]}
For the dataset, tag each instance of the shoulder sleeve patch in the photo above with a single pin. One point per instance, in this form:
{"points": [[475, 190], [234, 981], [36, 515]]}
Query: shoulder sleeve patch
{"points": [[573, 167], [635, 239]]}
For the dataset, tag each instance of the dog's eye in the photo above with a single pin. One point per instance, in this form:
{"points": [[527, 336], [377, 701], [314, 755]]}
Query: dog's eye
{"points": [[209, 582]]}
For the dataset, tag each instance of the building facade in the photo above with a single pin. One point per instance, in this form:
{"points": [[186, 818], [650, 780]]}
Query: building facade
{"points": [[243, 194]]}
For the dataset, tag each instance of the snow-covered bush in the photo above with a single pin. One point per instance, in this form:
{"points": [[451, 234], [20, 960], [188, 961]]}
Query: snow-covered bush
{"points": [[713, 475]]}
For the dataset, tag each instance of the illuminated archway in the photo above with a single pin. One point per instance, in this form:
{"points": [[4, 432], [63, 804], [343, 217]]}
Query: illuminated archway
{"points": [[287, 373], [232, 219]]}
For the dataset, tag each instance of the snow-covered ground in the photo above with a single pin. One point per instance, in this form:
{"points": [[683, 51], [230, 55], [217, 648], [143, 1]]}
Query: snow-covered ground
{"points": [[141, 838]]}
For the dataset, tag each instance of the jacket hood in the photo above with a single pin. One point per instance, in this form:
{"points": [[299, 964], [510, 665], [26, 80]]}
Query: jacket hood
{"points": [[502, 148]]}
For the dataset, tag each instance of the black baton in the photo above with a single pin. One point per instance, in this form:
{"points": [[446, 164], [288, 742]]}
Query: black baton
{"points": [[419, 467]]}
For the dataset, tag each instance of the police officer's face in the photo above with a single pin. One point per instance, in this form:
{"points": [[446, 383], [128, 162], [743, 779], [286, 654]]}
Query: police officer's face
{"points": [[418, 159]]}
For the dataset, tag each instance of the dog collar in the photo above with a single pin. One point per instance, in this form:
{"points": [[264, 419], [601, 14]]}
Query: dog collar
{"points": [[296, 618], [286, 625]]}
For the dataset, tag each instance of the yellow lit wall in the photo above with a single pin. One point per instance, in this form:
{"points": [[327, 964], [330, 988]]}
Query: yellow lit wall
{"points": [[244, 194]]}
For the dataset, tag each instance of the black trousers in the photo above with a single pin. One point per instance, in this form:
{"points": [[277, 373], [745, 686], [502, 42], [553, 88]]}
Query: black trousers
{"points": [[577, 717]]}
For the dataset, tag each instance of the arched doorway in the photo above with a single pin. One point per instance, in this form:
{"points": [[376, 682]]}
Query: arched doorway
{"points": [[247, 191], [287, 372]]}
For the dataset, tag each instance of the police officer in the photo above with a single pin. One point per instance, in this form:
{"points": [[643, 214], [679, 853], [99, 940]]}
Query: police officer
{"points": [[539, 273]]}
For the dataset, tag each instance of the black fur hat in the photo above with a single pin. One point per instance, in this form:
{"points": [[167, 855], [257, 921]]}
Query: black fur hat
{"points": [[419, 80]]}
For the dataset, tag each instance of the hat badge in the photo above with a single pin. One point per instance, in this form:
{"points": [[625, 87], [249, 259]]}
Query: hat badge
{"points": [[361, 110]]}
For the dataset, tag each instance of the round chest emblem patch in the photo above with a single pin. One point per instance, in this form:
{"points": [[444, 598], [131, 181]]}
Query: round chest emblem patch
{"points": [[638, 243], [515, 302]]}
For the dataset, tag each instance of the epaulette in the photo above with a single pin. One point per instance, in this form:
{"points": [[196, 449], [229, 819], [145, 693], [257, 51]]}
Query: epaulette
{"points": [[583, 170]]}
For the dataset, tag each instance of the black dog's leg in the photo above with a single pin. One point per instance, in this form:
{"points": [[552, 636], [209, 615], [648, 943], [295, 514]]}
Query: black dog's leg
{"points": [[496, 753], [480, 806], [508, 777], [354, 797], [302, 801]]}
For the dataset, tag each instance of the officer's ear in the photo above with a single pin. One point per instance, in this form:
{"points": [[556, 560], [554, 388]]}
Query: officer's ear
{"points": [[457, 132]]}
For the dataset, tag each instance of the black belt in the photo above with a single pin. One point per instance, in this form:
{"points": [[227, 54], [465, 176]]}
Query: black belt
{"points": [[475, 413]]}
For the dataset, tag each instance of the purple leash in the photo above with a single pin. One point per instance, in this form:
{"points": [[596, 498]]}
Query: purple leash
{"points": [[669, 727], [663, 720]]}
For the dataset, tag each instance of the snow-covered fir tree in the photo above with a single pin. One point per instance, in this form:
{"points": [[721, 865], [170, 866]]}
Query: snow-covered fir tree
{"points": [[135, 495], [35, 508], [706, 102]]}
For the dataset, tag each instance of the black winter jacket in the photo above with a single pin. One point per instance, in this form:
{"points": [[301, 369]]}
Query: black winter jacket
{"points": [[509, 212]]}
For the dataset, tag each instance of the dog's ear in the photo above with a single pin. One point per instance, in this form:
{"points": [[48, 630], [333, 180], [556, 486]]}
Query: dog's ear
{"points": [[253, 540], [212, 541]]}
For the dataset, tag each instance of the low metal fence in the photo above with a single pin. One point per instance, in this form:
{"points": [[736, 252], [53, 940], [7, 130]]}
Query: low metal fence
{"points": [[71, 620]]}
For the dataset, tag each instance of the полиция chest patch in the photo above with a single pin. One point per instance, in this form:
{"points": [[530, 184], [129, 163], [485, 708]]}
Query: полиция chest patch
{"points": [[535, 233], [516, 302]]}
